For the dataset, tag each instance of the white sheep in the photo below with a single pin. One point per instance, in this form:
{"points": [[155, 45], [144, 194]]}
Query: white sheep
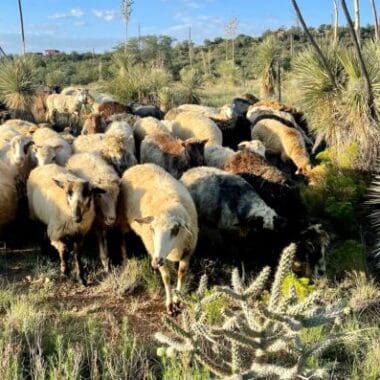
{"points": [[15, 155], [99, 174], [190, 124], [7, 134], [147, 126], [255, 146], [223, 113], [111, 147], [25, 128], [62, 103], [217, 155], [122, 129], [50, 146], [8, 195], [226, 201], [64, 203], [160, 210]]}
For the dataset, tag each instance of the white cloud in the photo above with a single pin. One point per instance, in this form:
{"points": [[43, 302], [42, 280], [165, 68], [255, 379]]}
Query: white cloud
{"points": [[106, 14], [75, 12]]}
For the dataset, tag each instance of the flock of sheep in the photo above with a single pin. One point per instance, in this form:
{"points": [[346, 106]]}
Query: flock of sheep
{"points": [[132, 168]]}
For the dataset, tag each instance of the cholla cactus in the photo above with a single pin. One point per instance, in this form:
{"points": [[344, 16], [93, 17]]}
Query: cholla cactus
{"points": [[257, 339]]}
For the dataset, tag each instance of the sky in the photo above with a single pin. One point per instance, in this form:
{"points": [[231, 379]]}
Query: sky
{"points": [[72, 25]]}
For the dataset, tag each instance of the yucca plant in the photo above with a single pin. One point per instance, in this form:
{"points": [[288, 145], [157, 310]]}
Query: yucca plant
{"points": [[339, 110], [266, 56], [17, 89], [191, 82]]}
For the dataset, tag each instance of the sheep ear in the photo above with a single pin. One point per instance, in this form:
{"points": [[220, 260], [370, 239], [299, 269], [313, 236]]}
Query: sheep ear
{"points": [[27, 146], [181, 222], [59, 183], [146, 220], [57, 148]]}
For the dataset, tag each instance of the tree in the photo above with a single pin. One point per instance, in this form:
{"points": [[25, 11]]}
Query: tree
{"points": [[126, 10], [22, 27]]}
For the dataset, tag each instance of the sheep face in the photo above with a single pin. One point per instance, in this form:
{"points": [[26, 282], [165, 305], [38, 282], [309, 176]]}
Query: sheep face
{"points": [[79, 196], [255, 146], [167, 234], [106, 202], [19, 148], [45, 154], [195, 151]]}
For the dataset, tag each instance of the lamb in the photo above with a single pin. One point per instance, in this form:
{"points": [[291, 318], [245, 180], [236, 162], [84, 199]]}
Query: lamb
{"points": [[6, 135], [174, 155], [8, 195], [64, 203], [99, 174], [223, 113], [255, 146], [62, 103], [160, 210], [286, 141], [147, 126], [93, 124], [112, 148], [189, 124], [50, 146], [216, 155], [172, 114], [226, 201]]}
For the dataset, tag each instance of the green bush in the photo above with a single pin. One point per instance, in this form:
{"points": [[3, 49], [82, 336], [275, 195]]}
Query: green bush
{"points": [[347, 256]]}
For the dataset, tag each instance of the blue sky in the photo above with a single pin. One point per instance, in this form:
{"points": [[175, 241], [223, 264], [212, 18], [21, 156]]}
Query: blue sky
{"points": [[86, 25]]}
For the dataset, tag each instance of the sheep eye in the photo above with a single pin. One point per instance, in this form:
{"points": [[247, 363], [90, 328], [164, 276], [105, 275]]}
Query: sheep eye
{"points": [[70, 193], [174, 231]]}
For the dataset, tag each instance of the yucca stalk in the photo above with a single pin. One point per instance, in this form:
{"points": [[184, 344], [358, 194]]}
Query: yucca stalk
{"points": [[17, 89], [126, 11]]}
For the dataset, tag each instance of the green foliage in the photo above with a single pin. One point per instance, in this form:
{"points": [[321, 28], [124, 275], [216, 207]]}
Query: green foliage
{"points": [[229, 73], [338, 193], [301, 286], [254, 339], [191, 82], [347, 256]]}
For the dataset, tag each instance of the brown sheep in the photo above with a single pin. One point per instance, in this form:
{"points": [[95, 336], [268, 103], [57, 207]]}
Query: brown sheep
{"points": [[174, 155], [111, 108], [93, 124]]}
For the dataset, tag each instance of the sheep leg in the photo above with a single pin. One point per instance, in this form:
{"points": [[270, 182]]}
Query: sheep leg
{"points": [[78, 265], [103, 249], [182, 267], [170, 307], [62, 250]]}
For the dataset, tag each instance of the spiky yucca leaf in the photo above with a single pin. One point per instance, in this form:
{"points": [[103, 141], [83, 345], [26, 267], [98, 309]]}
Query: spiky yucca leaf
{"points": [[17, 89]]}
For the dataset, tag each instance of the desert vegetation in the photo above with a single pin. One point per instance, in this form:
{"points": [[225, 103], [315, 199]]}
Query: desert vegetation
{"points": [[276, 240]]}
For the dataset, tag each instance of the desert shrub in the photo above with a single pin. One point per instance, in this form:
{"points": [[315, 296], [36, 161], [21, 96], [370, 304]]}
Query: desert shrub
{"points": [[255, 339], [229, 73], [191, 82]]}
